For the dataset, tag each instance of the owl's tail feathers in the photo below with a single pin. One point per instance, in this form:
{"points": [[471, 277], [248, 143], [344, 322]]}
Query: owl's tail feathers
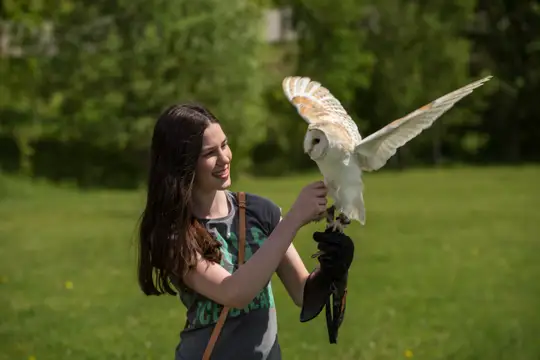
{"points": [[356, 210]]}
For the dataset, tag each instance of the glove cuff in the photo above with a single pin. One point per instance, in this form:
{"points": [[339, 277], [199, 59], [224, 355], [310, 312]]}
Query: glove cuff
{"points": [[317, 290]]}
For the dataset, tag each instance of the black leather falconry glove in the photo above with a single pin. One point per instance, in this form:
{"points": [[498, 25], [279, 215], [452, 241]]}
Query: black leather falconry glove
{"points": [[329, 280]]}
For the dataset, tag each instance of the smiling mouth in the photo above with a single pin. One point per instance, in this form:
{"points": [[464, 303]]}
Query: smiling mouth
{"points": [[222, 174]]}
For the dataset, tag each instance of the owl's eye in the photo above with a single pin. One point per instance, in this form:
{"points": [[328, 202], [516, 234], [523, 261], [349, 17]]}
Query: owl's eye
{"points": [[316, 141]]}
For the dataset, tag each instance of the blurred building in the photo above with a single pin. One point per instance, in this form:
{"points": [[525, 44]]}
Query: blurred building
{"points": [[17, 39]]}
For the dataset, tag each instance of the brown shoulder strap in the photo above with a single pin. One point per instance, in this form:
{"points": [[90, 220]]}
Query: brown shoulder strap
{"points": [[241, 196], [242, 229]]}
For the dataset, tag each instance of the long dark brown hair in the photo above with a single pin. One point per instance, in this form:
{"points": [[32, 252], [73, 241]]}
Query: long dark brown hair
{"points": [[169, 236]]}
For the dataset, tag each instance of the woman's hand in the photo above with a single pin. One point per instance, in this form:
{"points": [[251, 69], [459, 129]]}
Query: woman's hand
{"points": [[310, 204]]}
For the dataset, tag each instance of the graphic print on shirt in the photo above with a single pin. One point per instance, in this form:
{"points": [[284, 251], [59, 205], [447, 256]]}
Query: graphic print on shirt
{"points": [[208, 311]]}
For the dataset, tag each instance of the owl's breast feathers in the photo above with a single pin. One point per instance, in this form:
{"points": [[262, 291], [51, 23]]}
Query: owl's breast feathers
{"points": [[345, 186]]}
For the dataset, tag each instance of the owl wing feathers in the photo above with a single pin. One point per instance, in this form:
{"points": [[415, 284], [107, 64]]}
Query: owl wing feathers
{"points": [[374, 151], [304, 93], [316, 104]]}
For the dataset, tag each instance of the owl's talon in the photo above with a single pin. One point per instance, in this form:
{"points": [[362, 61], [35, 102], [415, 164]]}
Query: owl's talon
{"points": [[335, 225], [332, 225], [339, 227], [344, 220], [339, 224]]}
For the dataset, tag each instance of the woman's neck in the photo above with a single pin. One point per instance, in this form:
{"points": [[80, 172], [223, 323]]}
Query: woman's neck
{"points": [[210, 205]]}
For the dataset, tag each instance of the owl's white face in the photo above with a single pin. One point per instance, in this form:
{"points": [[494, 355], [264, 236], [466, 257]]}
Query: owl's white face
{"points": [[315, 144]]}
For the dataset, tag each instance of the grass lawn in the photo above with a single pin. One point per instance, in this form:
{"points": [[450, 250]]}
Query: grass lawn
{"points": [[447, 267]]}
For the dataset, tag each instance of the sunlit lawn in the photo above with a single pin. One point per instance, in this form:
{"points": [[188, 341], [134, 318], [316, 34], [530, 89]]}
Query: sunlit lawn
{"points": [[447, 267]]}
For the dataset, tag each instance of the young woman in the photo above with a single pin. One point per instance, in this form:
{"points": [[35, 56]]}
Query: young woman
{"points": [[189, 239]]}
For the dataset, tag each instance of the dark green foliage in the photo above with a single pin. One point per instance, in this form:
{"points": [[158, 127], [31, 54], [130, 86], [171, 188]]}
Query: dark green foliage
{"points": [[98, 78]]}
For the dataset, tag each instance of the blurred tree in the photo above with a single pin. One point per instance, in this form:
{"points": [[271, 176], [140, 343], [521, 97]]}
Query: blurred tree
{"points": [[506, 35], [27, 44], [117, 65], [420, 56], [85, 80]]}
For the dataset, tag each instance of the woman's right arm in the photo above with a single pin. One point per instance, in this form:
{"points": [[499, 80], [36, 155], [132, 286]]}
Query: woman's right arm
{"points": [[237, 290]]}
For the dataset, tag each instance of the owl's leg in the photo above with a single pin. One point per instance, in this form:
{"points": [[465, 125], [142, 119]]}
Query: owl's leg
{"points": [[337, 226], [330, 214], [335, 223], [343, 220], [340, 223]]}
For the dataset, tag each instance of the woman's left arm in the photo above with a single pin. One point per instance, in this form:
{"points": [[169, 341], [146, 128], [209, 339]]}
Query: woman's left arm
{"points": [[293, 274]]}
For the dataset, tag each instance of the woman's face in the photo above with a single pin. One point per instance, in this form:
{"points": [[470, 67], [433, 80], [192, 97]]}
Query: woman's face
{"points": [[213, 166]]}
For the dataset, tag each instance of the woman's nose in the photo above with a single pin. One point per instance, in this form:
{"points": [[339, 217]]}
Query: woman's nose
{"points": [[224, 156]]}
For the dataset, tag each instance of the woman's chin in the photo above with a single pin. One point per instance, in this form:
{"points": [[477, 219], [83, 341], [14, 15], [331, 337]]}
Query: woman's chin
{"points": [[226, 184], [223, 184]]}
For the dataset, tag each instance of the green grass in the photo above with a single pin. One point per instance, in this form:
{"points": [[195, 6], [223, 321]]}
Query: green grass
{"points": [[447, 267]]}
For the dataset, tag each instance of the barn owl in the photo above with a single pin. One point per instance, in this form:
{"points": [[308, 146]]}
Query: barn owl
{"points": [[333, 141]]}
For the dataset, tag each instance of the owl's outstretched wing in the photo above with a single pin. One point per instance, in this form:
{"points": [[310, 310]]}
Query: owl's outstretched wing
{"points": [[314, 102], [374, 151]]}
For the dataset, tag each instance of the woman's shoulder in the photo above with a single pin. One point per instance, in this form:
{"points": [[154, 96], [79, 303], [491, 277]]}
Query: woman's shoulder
{"points": [[263, 208], [259, 200]]}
